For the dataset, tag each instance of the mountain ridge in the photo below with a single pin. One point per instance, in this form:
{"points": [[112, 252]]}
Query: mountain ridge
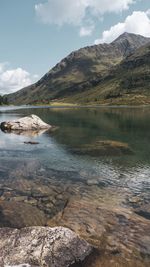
{"points": [[76, 71]]}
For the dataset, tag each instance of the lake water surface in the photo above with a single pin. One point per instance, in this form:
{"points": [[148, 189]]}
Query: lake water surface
{"points": [[50, 184]]}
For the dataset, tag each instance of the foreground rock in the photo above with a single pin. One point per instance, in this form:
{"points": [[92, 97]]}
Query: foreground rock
{"points": [[31, 122], [41, 247]]}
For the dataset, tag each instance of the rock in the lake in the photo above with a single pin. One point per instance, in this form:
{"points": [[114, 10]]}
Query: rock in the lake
{"points": [[31, 143], [104, 148], [143, 210], [18, 214], [31, 122], [41, 247]]}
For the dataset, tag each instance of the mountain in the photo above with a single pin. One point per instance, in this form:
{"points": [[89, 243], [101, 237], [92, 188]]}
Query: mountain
{"points": [[126, 83], [82, 72]]}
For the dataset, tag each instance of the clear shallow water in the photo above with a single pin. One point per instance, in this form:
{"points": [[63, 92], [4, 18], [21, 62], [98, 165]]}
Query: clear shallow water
{"points": [[84, 126], [105, 199]]}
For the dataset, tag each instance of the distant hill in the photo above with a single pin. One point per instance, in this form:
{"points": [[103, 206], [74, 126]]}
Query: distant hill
{"points": [[96, 74]]}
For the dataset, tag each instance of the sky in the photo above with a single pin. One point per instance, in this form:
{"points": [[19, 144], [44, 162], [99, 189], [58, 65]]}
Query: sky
{"points": [[36, 34]]}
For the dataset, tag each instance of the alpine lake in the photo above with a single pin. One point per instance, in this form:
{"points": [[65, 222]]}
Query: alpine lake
{"points": [[90, 174]]}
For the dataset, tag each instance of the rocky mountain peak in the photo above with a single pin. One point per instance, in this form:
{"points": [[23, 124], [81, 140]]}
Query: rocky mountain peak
{"points": [[132, 38], [129, 42]]}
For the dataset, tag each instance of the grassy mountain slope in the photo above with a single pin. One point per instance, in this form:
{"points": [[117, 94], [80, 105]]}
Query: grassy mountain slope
{"points": [[126, 83], [84, 70]]}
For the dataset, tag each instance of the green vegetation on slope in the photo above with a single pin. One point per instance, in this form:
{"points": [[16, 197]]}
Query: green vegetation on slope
{"points": [[127, 83], [3, 100], [105, 73]]}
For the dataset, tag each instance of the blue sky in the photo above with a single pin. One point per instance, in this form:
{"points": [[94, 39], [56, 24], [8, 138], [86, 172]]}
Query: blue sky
{"points": [[36, 34]]}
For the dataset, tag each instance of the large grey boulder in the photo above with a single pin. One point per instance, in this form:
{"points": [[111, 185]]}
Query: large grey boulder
{"points": [[31, 122], [41, 247]]}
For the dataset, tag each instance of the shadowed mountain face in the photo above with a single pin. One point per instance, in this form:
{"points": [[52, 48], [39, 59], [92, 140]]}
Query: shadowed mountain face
{"points": [[80, 71]]}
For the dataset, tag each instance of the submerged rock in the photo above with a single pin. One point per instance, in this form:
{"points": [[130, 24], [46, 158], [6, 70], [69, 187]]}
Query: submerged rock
{"points": [[104, 148], [41, 247], [143, 210], [31, 143], [18, 214], [31, 122]]}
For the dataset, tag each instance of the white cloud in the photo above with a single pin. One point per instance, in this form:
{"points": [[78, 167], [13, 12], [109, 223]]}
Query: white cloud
{"points": [[74, 12], [61, 12], [86, 30], [13, 79], [138, 23], [105, 6]]}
